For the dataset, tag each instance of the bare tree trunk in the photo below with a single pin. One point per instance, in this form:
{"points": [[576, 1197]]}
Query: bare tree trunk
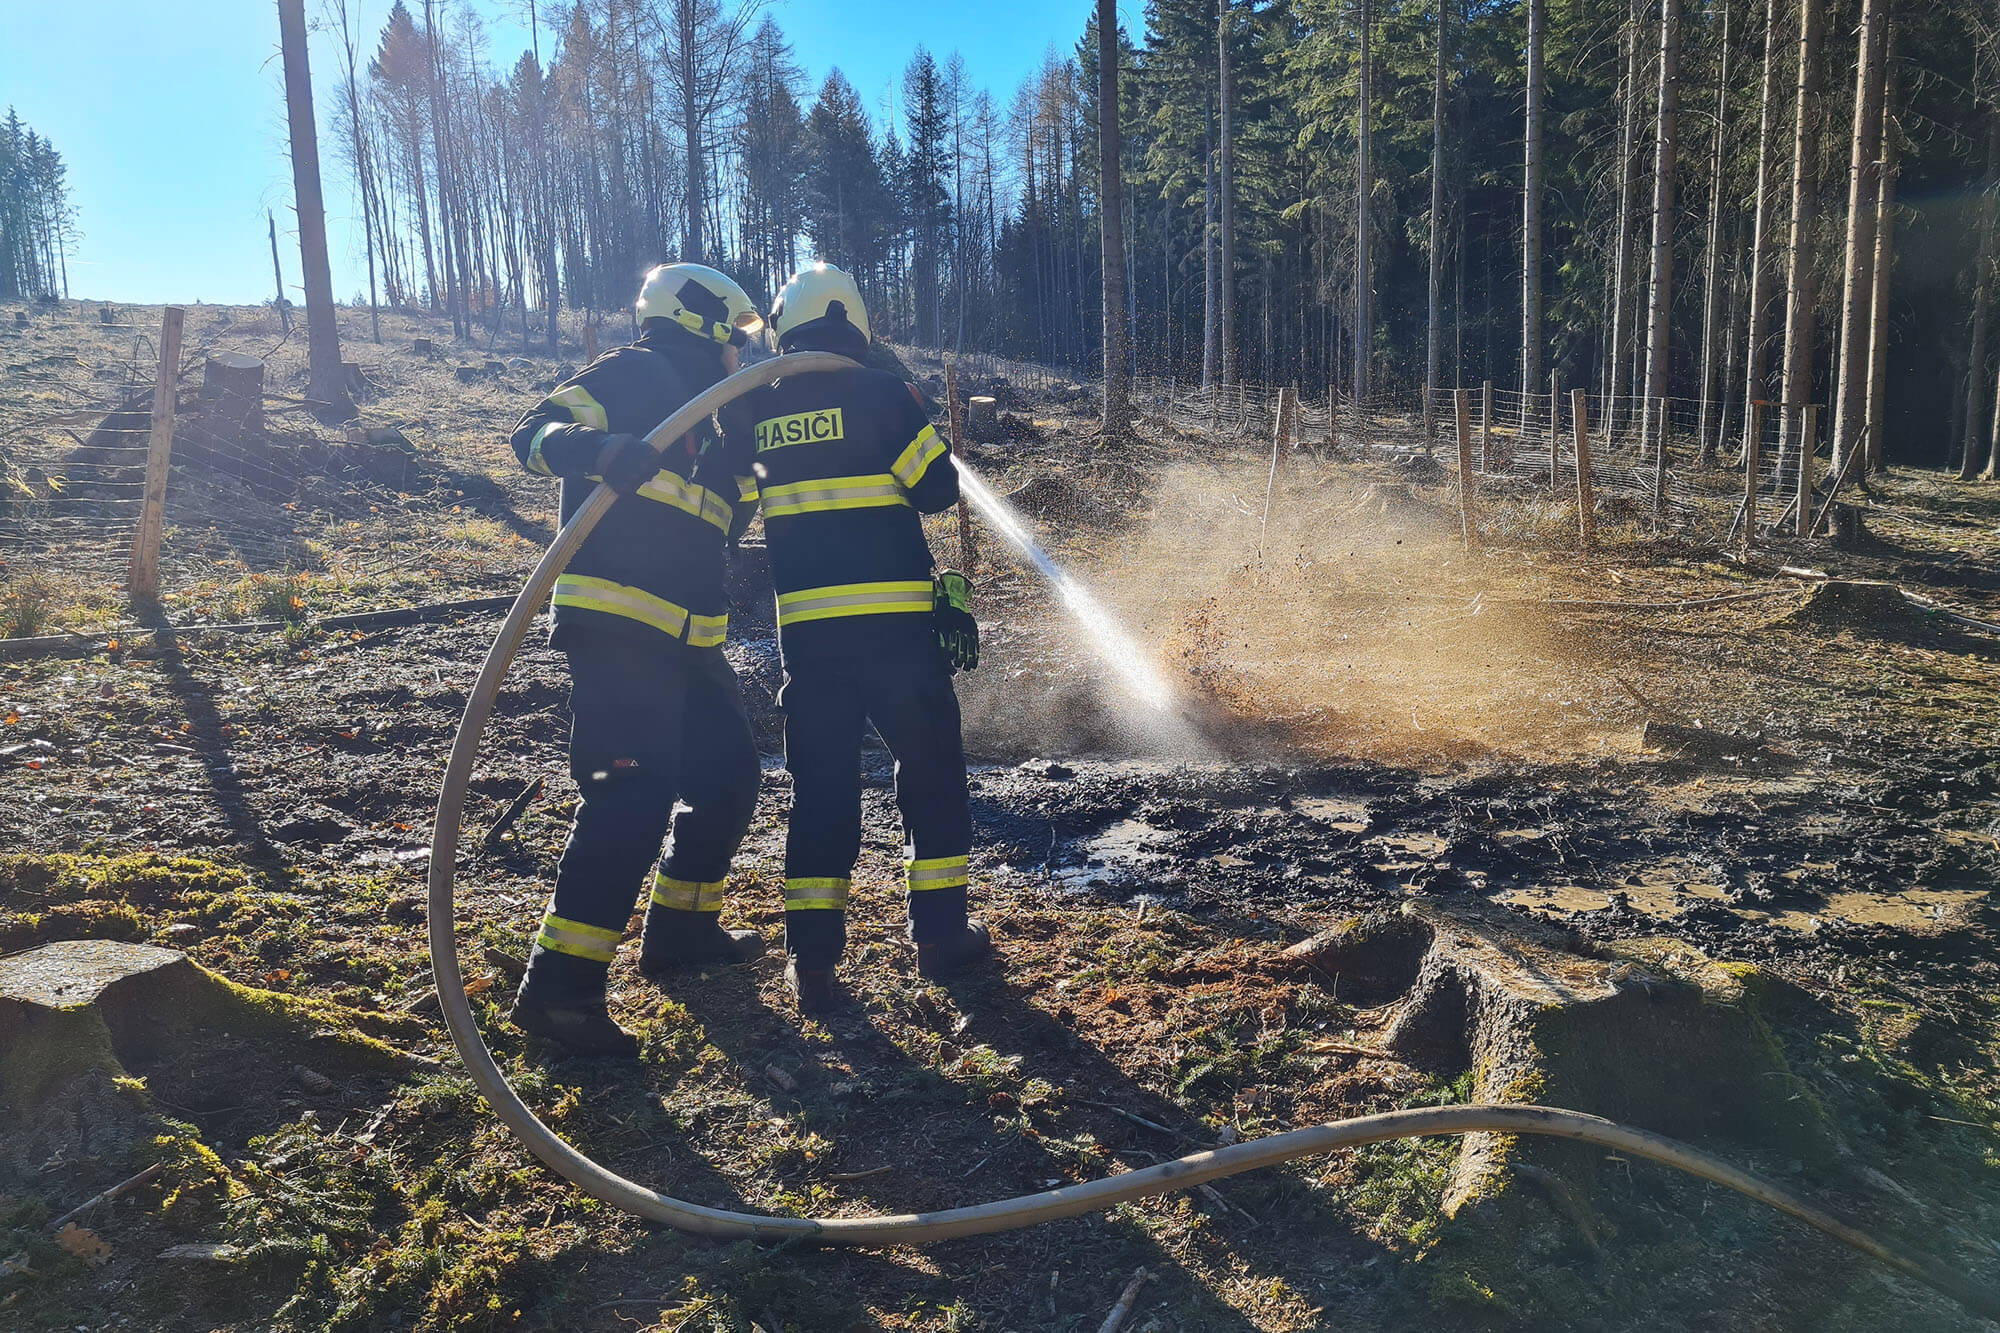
{"points": [[1711, 306], [1364, 175], [322, 333], [1802, 290], [1225, 31], [1210, 294], [1660, 295], [1621, 285], [278, 275], [1850, 414], [1434, 340], [1531, 208], [454, 272], [1973, 455], [1885, 261], [1762, 229], [1111, 220]]}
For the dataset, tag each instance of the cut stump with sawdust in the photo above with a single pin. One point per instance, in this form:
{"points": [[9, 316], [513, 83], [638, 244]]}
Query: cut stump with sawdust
{"points": [[1648, 1032]]}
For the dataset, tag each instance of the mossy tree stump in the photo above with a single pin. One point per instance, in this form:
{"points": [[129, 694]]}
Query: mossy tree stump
{"points": [[79, 1018]]}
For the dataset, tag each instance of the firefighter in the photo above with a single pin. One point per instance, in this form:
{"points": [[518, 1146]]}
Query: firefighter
{"points": [[656, 714], [869, 630]]}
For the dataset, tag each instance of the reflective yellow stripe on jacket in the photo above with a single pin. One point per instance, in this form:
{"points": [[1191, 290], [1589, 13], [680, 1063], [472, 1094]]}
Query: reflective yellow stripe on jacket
{"points": [[669, 489], [583, 409], [911, 465], [815, 497], [853, 599], [619, 599]]}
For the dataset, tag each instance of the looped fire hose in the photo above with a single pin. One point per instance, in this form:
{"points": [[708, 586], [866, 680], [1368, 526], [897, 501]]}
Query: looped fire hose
{"points": [[1005, 1214]]}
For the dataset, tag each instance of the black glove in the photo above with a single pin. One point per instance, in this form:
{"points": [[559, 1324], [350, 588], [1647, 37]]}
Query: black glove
{"points": [[958, 632], [626, 462]]}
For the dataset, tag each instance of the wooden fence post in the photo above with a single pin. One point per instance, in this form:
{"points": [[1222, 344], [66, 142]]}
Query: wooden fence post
{"points": [[1808, 436], [1753, 455], [143, 578], [589, 340], [1555, 432], [954, 410], [1332, 420], [1486, 426], [1461, 401], [1271, 481], [1586, 503]]}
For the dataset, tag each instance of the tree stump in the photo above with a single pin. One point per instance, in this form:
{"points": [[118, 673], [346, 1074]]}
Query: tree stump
{"points": [[982, 419], [232, 395], [20, 319], [78, 1016], [421, 346], [1848, 532], [1648, 1032]]}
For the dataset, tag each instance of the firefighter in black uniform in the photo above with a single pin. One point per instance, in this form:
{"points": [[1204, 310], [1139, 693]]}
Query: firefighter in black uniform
{"points": [[845, 461], [656, 715]]}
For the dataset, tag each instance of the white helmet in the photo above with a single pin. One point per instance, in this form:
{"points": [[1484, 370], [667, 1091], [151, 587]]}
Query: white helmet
{"points": [[816, 293], [705, 302]]}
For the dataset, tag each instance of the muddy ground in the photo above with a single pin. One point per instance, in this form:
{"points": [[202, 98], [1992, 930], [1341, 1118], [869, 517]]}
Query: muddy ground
{"points": [[1362, 712]]}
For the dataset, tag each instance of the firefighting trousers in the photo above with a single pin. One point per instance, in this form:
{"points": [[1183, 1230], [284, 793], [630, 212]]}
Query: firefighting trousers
{"points": [[827, 705], [652, 724]]}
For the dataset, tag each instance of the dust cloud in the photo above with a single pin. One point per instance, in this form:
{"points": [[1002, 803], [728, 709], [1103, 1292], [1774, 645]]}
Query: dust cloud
{"points": [[1353, 624]]}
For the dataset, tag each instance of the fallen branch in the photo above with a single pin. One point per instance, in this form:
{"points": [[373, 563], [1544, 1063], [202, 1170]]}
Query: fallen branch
{"points": [[122, 1187], [1699, 741], [514, 811], [845, 1177], [1119, 1312], [1692, 604], [1139, 1120]]}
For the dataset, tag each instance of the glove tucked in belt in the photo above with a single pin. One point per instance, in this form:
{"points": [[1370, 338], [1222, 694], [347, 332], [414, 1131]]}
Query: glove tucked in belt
{"points": [[958, 632]]}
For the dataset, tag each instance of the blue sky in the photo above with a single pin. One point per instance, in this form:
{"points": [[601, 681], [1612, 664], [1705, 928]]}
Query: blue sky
{"points": [[170, 116]]}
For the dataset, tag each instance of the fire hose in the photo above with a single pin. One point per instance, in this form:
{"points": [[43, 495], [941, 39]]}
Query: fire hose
{"points": [[1028, 1210]]}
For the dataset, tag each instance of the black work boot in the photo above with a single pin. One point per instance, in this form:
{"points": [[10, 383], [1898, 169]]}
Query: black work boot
{"points": [[583, 1030], [562, 1000], [814, 988], [676, 938], [954, 952]]}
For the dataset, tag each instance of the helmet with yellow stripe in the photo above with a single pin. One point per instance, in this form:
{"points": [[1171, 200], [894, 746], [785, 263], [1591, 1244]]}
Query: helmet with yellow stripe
{"points": [[816, 301], [702, 300]]}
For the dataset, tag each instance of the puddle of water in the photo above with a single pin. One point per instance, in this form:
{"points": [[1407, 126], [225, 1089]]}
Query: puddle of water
{"points": [[1915, 909], [1119, 849], [1341, 816]]}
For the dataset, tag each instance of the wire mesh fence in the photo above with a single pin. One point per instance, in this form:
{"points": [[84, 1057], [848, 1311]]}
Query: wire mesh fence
{"points": [[1660, 466], [260, 493]]}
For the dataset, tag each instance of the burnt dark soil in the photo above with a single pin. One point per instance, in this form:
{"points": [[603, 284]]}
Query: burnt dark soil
{"points": [[264, 804]]}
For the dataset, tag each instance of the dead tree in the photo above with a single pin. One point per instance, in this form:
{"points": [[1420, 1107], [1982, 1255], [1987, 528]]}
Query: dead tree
{"points": [[1434, 332], [1364, 174], [1660, 283], [1973, 455], [1531, 206], [1885, 258], [1616, 354], [1711, 305], [1226, 334], [1761, 231], [1801, 289], [1111, 212], [1857, 300], [326, 384]]}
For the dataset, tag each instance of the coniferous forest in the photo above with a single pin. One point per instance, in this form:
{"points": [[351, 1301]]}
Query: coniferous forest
{"points": [[1439, 191], [37, 227]]}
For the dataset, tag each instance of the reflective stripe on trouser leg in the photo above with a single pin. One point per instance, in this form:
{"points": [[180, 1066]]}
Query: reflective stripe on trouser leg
{"points": [[933, 873], [684, 895], [816, 920], [578, 939]]}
